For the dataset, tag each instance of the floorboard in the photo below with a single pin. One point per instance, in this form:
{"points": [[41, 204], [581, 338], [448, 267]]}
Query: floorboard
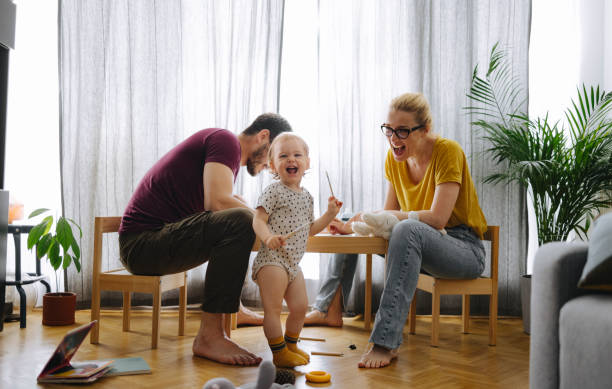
{"points": [[461, 361]]}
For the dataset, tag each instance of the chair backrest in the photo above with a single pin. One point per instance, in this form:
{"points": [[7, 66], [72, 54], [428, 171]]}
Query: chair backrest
{"points": [[492, 235], [102, 225]]}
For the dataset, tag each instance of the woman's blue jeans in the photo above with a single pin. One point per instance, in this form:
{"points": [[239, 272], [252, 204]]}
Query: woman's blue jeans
{"points": [[413, 247]]}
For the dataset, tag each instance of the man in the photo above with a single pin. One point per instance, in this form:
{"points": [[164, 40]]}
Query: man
{"points": [[183, 213]]}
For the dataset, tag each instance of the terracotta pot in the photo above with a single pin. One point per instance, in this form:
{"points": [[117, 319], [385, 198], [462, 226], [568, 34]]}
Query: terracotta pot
{"points": [[58, 309]]}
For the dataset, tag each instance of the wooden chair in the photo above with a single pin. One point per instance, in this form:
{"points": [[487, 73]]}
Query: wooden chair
{"points": [[481, 286], [123, 280]]}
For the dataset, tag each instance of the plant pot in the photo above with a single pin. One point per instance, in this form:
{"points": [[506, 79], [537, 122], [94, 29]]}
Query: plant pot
{"points": [[58, 308], [526, 302]]}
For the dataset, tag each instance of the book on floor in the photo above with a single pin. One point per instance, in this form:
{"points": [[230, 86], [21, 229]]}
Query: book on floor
{"points": [[59, 368], [126, 366]]}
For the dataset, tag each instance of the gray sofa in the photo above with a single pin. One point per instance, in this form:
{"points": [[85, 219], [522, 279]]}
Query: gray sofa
{"points": [[571, 328]]}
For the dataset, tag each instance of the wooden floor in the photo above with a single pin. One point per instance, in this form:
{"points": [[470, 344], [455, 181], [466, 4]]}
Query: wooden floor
{"points": [[461, 361]]}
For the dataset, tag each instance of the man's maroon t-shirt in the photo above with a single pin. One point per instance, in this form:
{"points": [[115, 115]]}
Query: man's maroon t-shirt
{"points": [[173, 188]]}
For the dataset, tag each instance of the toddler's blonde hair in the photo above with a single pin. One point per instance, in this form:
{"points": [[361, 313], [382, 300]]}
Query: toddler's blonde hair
{"points": [[286, 136], [416, 104]]}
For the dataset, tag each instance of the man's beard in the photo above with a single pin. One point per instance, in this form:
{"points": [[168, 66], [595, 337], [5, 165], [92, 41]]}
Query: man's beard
{"points": [[256, 158]]}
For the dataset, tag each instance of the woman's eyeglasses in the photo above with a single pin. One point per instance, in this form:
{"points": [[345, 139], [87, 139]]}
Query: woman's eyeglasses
{"points": [[401, 133]]}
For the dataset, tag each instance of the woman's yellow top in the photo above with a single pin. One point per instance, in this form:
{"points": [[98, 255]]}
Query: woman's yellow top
{"points": [[448, 164]]}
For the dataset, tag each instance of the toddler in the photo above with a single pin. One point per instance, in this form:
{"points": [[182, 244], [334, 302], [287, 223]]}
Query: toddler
{"points": [[283, 221]]}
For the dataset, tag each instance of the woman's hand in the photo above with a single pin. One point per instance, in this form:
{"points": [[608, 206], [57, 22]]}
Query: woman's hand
{"points": [[337, 227], [275, 241]]}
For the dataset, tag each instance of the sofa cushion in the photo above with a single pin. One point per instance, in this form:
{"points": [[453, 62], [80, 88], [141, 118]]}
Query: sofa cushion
{"points": [[597, 272], [585, 344]]}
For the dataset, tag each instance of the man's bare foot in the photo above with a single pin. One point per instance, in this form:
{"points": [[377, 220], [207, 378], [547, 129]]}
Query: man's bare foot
{"points": [[318, 318], [247, 317], [211, 342], [378, 356], [222, 349]]}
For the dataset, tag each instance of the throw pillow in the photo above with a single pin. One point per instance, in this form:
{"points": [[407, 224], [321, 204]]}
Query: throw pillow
{"points": [[597, 272]]}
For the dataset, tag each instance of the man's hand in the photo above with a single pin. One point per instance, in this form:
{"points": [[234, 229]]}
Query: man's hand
{"points": [[275, 241]]}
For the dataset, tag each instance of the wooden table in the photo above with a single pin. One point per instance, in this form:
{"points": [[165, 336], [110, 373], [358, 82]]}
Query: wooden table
{"points": [[349, 244]]}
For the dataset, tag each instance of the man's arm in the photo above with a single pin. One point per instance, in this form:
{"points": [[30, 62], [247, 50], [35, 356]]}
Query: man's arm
{"points": [[218, 182]]}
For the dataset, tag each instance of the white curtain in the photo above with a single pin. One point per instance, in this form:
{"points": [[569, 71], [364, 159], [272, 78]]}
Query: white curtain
{"points": [[571, 45], [372, 51], [138, 77]]}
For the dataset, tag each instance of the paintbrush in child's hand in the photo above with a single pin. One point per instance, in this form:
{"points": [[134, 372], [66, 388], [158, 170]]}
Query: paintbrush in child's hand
{"points": [[329, 182], [289, 235]]}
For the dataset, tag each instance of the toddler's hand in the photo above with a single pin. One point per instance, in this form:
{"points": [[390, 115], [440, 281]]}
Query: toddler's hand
{"points": [[333, 206], [275, 241]]}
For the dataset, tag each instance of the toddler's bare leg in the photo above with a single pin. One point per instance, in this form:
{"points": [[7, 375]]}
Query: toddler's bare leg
{"points": [[272, 281], [297, 302]]}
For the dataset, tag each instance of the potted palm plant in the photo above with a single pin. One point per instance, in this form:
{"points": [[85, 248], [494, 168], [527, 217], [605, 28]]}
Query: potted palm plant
{"points": [[56, 241], [565, 166]]}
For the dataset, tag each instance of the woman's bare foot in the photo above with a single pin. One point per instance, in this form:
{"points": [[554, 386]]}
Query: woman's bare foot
{"points": [[378, 356], [247, 317], [212, 343], [333, 317], [318, 318]]}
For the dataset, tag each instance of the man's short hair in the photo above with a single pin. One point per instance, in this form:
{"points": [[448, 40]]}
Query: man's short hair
{"points": [[273, 122]]}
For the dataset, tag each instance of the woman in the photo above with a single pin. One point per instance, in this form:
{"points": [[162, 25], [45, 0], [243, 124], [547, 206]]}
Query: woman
{"points": [[430, 191]]}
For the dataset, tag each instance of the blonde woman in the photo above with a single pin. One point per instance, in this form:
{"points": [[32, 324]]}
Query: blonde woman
{"points": [[430, 192]]}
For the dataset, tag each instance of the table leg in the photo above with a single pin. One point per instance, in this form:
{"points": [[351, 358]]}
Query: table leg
{"points": [[367, 316]]}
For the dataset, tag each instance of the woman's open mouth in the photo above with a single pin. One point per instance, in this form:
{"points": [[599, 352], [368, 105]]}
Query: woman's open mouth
{"points": [[398, 151]]}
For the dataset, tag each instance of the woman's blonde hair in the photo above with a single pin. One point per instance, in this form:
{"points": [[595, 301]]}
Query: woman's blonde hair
{"points": [[416, 104]]}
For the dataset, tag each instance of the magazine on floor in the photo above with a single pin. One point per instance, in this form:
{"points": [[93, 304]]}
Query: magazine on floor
{"points": [[60, 369]]}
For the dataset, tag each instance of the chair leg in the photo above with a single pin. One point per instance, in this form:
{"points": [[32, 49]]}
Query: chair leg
{"points": [[435, 317], [95, 315], [465, 313], [182, 307], [227, 324], [127, 308], [156, 317], [234, 321], [412, 315], [493, 318], [367, 315]]}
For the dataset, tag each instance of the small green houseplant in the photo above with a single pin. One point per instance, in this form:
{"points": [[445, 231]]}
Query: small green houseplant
{"points": [[566, 168], [57, 242]]}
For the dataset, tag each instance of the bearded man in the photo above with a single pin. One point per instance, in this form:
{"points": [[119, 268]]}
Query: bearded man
{"points": [[184, 213]]}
